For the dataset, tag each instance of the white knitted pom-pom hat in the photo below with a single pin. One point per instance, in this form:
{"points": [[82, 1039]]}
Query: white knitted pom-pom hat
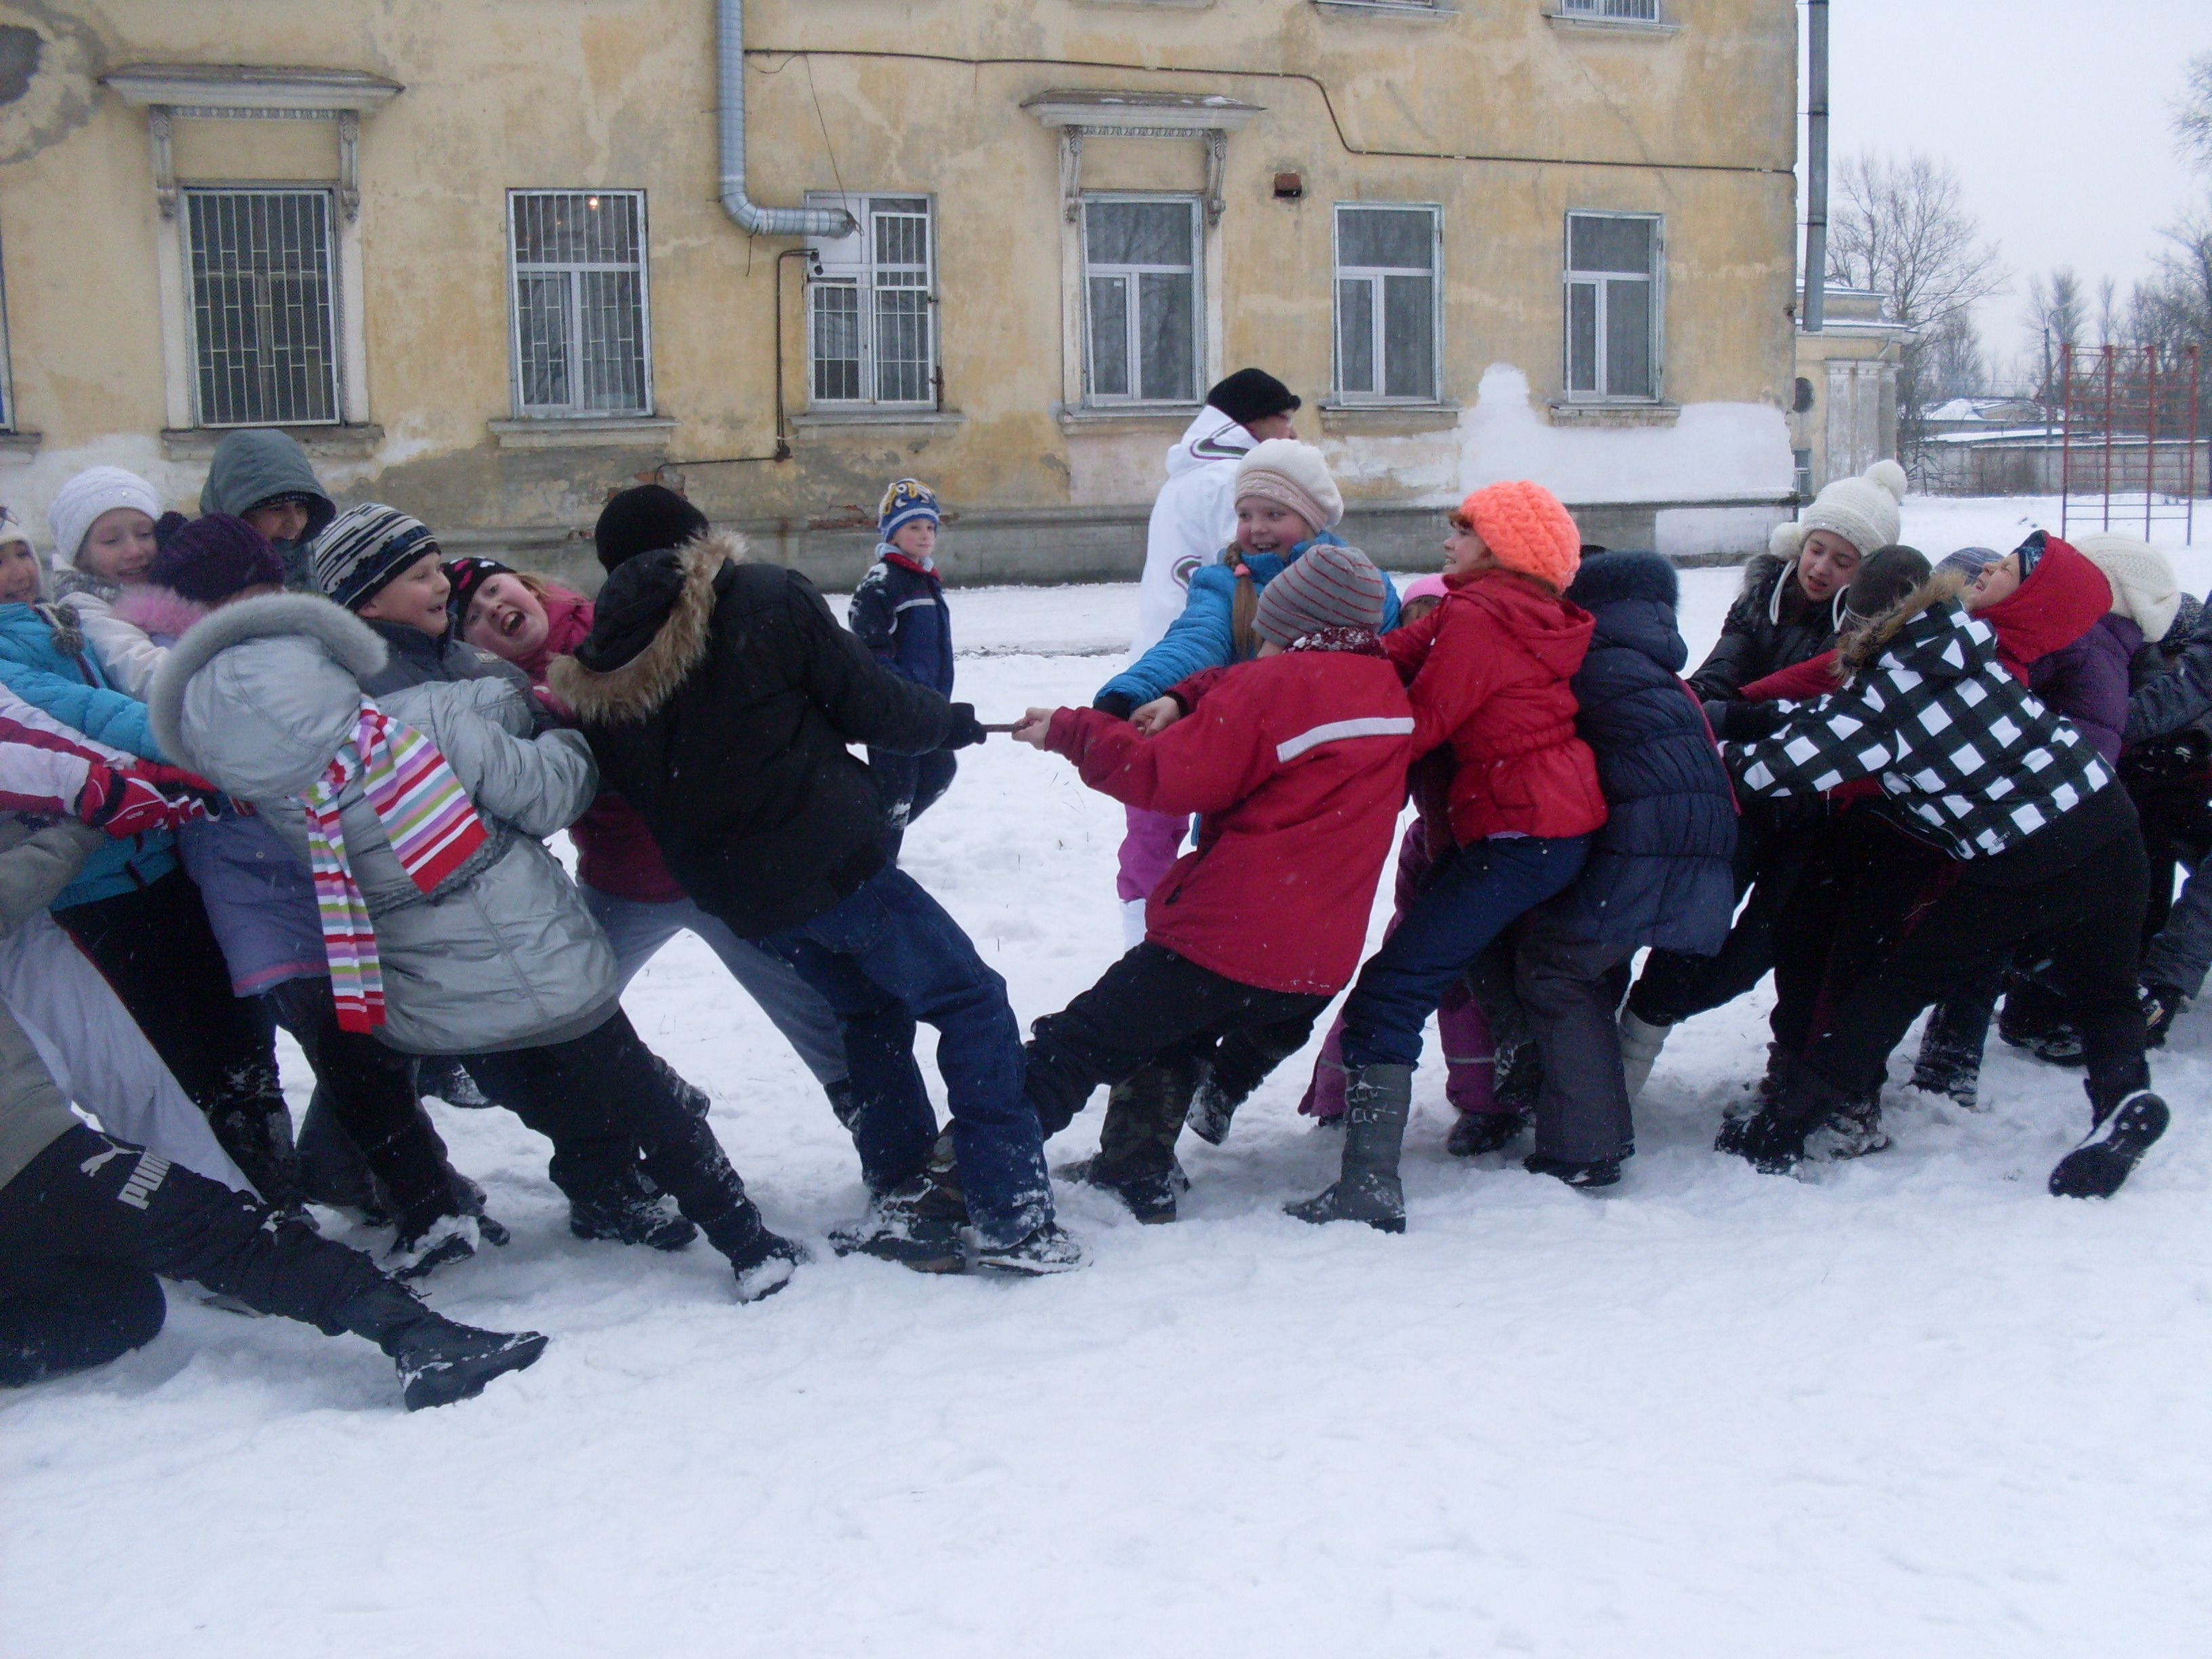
{"points": [[2145, 590], [1861, 510]]}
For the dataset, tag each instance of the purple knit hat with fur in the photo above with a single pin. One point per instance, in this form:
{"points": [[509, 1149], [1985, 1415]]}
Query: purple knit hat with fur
{"points": [[214, 558]]}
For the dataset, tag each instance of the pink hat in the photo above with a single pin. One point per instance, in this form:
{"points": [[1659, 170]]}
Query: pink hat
{"points": [[1431, 586], [1527, 529]]}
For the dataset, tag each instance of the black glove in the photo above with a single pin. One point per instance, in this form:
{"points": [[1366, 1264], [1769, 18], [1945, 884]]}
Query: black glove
{"points": [[1744, 722], [1117, 703], [966, 729]]}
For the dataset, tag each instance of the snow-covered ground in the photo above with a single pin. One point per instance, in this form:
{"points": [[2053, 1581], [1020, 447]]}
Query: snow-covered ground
{"points": [[1910, 1406]]}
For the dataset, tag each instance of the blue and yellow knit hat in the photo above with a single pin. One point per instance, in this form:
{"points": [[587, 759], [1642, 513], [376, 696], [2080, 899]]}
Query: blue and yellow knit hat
{"points": [[907, 501]]}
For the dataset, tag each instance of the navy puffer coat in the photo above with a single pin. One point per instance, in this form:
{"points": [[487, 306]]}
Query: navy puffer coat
{"points": [[1658, 872]]}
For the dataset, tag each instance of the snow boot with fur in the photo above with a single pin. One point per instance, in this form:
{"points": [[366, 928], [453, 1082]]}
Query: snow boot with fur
{"points": [[1377, 1100]]}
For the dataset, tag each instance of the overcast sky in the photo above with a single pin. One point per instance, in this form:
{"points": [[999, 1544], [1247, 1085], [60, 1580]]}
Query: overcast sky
{"points": [[2053, 111]]}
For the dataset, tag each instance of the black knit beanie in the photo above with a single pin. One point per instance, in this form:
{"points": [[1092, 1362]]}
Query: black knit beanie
{"points": [[1252, 394], [645, 520], [1885, 576]]}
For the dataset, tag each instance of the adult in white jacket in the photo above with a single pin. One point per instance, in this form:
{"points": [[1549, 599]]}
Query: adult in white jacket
{"points": [[1193, 518]]}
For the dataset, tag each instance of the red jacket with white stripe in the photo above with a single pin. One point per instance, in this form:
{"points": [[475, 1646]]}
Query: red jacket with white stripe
{"points": [[1297, 764]]}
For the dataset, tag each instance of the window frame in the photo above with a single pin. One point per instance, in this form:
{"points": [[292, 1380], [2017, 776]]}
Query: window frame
{"points": [[516, 272], [1199, 322], [1378, 322], [1601, 11], [860, 278], [333, 260], [1601, 282]]}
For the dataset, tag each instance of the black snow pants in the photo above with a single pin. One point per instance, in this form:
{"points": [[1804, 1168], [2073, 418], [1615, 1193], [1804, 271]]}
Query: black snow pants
{"points": [[87, 1225], [1569, 987], [366, 1127], [155, 949], [605, 1101], [2084, 918], [1156, 1009]]}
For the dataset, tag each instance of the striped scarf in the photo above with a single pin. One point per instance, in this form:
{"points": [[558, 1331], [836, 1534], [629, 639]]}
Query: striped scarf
{"points": [[426, 817]]}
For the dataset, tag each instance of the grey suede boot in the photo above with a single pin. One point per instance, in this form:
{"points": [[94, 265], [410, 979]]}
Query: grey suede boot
{"points": [[1376, 1101]]}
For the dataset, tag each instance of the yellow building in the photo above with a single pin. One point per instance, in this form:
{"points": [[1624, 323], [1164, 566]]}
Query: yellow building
{"points": [[490, 261]]}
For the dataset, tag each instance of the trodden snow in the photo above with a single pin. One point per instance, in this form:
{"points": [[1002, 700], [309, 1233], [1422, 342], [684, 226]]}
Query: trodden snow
{"points": [[1909, 1406]]}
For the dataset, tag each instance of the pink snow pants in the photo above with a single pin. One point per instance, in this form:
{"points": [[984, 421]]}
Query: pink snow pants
{"points": [[1149, 850]]}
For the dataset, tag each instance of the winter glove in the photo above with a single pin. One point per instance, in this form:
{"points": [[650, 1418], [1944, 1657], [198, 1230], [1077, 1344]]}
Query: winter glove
{"points": [[137, 800], [966, 729], [1744, 722], [1119, 704]]}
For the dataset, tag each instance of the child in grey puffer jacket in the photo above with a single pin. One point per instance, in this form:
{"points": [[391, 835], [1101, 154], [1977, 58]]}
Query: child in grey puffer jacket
{"points": [[498, 955]]}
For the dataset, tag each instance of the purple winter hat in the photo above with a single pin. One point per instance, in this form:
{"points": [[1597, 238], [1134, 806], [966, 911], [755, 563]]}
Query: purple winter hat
{"points": [[212, 558]]}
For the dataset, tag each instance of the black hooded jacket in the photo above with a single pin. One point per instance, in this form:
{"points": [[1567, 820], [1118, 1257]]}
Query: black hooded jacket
{"points": [[718, 698], [1658, 872], [1770, 627]]}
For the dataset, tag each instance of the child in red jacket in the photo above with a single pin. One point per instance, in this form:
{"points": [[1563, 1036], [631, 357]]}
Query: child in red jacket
{"points": [[1297, 763], [1488, 675]]}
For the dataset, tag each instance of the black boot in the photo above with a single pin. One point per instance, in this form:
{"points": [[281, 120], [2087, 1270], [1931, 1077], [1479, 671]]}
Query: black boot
{"points": [[439, 1361], [1241, 1061], [762, 1261], [258, 1135], [2109, 1154], [445, 1078], [616, 1205], [917, 1224], [1478, 1133], [1377, 1100], [1136, 1159], [1950, 1061], [2160, 1003], [1598, 1172]]}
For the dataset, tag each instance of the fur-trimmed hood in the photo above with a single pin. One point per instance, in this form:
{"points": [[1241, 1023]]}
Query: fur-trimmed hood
{"points": [[652, 628], [1864, 645], [160, 611], [337, 650]]}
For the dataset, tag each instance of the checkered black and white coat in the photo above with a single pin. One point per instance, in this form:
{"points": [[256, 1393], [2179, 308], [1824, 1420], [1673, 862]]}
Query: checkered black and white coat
{"points": [[1969, 759]]}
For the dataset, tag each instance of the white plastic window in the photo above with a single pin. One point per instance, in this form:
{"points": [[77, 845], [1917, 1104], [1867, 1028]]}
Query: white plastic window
{"points": [[1613, 310], [1140, 299], [872, 304], [1386, 261], [582, 343]]}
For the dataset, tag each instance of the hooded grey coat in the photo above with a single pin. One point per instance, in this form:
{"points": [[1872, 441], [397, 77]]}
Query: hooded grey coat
{"points": [[256, 464], [503, 954]]}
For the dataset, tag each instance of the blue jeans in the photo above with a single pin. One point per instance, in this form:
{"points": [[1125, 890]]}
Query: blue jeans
{"points": [[1479, 892], [890, 955], [637, 928]]}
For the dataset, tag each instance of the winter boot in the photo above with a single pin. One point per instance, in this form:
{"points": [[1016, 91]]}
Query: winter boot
{"points": [[2108, 1155], [1241, 1061], [1950, 1061], [1756, 1098], [1640, 1043], [916, 1224], [2160, 1003], [1771, 1140], [764, 1262], [421, 1250], [258, 1135], [444, 1078], [1050, 1249], [439, 1361], [1477, 1133], [2033, 1018], [1519, 1079], [620, 1209], [1598, 1172], [1377, 1100], [1851, 1130], [1136, 1159]]}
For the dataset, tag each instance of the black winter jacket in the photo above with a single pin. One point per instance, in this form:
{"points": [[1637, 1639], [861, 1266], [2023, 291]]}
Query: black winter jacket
{"points": [[2173, 679], [1770, 627], [718, 698], [1658, 872]]}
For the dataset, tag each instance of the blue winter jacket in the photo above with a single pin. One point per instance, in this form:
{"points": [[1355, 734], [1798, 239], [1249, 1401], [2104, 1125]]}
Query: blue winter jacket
{"points": [[1205, 635], [900, 614], [45, 661], [1658, 872]]}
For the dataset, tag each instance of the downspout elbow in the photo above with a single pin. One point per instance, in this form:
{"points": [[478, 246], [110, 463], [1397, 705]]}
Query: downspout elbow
{"points": [[745, 213]]}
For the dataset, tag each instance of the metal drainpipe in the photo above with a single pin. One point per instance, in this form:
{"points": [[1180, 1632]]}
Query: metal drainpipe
{"points": [[747, 215], [1814, 313]]}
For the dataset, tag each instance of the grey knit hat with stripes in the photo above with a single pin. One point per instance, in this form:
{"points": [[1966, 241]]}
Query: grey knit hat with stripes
{"points": [[1327, 587], [364, 548]]}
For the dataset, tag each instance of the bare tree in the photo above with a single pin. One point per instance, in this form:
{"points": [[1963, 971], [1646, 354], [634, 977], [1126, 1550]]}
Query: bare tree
{"points": [[2057, 317], [2192, 113], [1901, 226]]}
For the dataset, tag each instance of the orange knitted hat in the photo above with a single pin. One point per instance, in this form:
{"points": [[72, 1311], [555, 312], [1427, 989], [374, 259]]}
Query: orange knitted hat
{"points": [[1526, 530]]}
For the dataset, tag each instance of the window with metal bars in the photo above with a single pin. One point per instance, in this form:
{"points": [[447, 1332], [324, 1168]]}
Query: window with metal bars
{"points": [[1627, 11], [1386, 303], [872, 304], [583, 341], [265, 307], [1140, 299], [1612, 307]]}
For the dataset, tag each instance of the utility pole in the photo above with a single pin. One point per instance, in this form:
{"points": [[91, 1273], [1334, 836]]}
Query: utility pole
{"points": [[1813, 314]]}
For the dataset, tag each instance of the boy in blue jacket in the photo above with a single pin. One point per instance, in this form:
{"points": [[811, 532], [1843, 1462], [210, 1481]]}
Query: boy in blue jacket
{"points": [[899, 612]]}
